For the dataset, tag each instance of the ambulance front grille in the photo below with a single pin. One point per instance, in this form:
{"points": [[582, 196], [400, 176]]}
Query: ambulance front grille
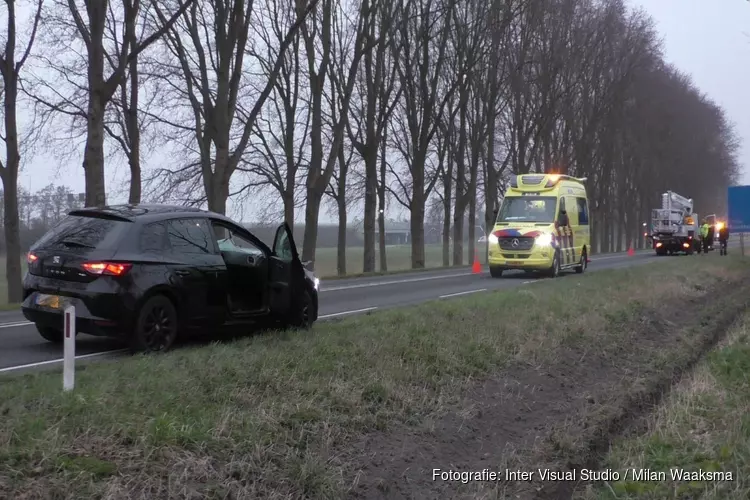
{"points": [[518, 244]]}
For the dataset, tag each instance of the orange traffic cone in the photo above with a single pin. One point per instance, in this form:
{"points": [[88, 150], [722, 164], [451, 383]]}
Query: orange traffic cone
{"points": [[476, 268], [631, 252]]}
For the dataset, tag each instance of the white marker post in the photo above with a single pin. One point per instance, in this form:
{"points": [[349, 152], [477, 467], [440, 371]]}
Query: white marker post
{"points": [[69, 356]]}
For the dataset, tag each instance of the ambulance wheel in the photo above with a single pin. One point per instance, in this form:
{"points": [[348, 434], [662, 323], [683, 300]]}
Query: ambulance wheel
{"points": [[554, 271], [496, 272], [584, 262]]}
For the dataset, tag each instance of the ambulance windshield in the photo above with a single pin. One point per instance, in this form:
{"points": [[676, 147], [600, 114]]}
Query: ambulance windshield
{"points": [[528, 209]]}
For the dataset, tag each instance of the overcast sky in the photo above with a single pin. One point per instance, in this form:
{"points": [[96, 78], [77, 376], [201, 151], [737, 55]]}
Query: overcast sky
{"points": [[708, 39]]}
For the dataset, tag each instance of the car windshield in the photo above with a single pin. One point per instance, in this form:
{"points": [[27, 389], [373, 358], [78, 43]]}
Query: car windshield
{"points": [[528, 209]]}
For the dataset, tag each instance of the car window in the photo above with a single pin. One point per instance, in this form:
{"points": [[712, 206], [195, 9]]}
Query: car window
{"points": [[284, 247], [231, 241], [153, 238], [583, 211], [190, 236], [79, 233]]}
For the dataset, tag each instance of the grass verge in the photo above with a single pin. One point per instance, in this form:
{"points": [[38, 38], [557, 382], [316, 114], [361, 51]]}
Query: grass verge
{"points": [[287, 415], [704, 425]]}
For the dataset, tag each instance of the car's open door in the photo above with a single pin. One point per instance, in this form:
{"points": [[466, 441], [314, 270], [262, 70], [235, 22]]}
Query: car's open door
{"points": [[287, 276]]}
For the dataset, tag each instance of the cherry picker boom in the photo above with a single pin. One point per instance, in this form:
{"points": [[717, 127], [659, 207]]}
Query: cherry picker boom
{"points": [[675, 226]]}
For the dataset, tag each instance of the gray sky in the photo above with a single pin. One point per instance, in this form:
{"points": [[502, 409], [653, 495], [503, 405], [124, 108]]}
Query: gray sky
{"points": [[710, 39]]}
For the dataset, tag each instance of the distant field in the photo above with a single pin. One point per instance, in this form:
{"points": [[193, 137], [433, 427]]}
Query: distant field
{"points": [[399, 258]]}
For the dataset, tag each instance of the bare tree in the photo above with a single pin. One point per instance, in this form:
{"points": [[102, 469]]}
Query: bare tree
{"points": [[378, 95], [423, 44], [278, 152], [101, 88], [322, 165], [12, 61], [209, 45]]}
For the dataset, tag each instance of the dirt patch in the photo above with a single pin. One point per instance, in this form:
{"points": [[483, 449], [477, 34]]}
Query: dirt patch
{"points": [[558, 416]]}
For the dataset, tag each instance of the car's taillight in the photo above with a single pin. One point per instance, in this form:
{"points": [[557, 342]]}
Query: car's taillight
{"points": [[107, 268], [31, 258]]}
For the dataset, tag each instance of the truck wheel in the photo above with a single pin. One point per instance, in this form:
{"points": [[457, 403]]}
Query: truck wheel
{"points": [[496, 272]]}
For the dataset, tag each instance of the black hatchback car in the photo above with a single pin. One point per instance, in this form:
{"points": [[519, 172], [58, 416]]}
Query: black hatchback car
{"points": [[151, 272]]}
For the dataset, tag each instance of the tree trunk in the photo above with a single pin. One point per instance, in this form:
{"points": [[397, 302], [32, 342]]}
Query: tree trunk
{"points": [[341, 202], [312, 214], [11, 219], [288, 197], [216, 186], [93, 159], [12, 240], [381, 204], [416, 225], [371, 208], [134, 130], [447, 221]]}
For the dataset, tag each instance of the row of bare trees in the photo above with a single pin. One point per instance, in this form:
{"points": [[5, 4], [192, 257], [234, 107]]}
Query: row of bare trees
{"points": [[365, 105]]}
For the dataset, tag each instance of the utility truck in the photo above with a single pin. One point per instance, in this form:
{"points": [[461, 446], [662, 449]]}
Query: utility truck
{"points": [[675, 227]]}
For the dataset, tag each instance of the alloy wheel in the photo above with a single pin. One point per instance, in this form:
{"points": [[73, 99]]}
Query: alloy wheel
{"points": [[158, 329]]}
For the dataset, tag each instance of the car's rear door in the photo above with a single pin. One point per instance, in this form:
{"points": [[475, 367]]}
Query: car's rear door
{"points": [[194, 266], [286, 274]]}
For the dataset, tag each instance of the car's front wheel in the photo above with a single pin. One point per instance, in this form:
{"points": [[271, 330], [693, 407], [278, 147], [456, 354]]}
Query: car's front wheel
{"points": [[304, 315], [156, 326], [554, 271], [50, 334]]}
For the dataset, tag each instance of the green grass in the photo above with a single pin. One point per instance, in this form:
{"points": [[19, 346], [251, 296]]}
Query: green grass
{"points": [[270, 415], [704, 424]]}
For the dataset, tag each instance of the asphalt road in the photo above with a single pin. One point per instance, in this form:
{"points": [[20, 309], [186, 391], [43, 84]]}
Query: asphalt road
{"points": [[21, 347]]}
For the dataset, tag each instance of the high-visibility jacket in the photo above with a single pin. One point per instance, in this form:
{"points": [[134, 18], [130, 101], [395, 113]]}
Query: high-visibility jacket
{"points": [[704, 231]]}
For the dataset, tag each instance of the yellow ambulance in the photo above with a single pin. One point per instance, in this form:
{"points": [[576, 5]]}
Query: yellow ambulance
{"points": [[542, 225]]}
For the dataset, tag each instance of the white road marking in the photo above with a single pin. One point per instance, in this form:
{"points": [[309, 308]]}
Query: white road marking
{"points": [[393, 282], [17, 323], [462, 293], [527, 282], [343, 313], [53, 361], [444, 276]]}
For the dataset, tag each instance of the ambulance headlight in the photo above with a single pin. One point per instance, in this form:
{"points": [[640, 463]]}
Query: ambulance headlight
{"points": [[492, 239], [544, 240]]}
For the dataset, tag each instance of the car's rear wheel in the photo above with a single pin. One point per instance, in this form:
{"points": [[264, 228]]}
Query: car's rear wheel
{"points": [[156, 326], [50, 334], [305, 313], [496, 272]]}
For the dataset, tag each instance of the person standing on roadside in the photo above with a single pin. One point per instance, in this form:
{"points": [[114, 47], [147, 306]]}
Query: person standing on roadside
{"points": [[704, 236], [723, 239]]}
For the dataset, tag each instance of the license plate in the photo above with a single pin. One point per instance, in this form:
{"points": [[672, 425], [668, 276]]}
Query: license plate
{"points": [[514, 262], [51, 301]]}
